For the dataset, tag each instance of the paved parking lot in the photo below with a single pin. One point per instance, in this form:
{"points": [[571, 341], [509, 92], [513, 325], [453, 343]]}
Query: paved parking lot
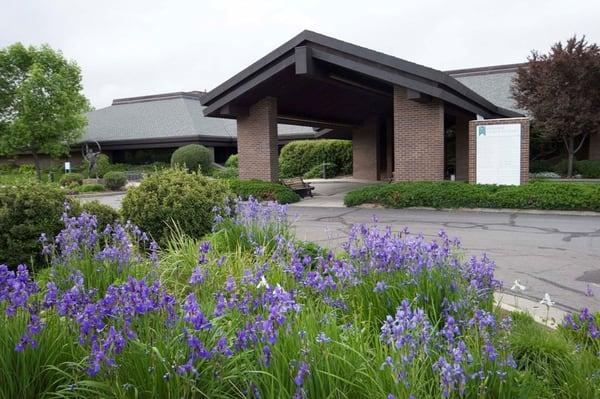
{"points": [[557, 254]]}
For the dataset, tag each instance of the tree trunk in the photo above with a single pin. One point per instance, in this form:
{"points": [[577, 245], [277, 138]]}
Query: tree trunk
{"points": [[571, 151], [36, 162]]}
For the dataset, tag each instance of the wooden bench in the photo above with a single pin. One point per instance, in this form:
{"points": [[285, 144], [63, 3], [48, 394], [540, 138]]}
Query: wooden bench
{"points": [[298, 185]]}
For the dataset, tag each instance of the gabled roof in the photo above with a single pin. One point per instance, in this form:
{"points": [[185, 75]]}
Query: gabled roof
{"points": [[164, 116], [372, 64], [491, 82]]}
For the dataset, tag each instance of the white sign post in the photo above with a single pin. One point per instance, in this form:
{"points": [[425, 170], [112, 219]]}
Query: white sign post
{"points": [[498, 154]]}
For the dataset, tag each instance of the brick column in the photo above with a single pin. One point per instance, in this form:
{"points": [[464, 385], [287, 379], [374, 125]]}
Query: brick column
{"points": [[524, 145], [461, 132], [418, 138], [594, 147], [365, 150], [257, 141]]}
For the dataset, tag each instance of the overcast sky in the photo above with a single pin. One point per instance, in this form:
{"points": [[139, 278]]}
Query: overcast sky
{"points": [[129, 48]]}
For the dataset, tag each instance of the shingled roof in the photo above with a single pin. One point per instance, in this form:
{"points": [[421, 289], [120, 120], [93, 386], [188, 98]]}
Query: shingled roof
{"points": [[164, 116], [492, 83]]}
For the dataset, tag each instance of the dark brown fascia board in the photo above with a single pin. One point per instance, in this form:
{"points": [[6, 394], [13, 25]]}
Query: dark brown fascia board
{"points": [[245, 86], [165, 140], [388, 76], [392, 77], [486, 70], [252, 69], [352, 49]]}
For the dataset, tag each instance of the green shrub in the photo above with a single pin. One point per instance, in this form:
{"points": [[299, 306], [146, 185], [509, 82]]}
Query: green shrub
{"points": [[104, 213], [232, 161], [299, 157], [537, 195], [263, 191], [26, 211], [102, 166], [541, 165], [115, 180], [88, 188], [326, 170], [588, 169], [172, 196], [71, 179], [226, 173], [192, 157], [26, 169]]}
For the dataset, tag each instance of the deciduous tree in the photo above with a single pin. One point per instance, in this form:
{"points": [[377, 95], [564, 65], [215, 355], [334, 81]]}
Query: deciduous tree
{"points": [[561, 91], [41, 104]]}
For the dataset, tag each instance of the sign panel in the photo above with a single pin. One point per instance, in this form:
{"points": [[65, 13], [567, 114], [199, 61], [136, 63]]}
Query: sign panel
{"points": [[499, 154]]}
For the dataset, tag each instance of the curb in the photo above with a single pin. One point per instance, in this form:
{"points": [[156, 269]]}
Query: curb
{"points": [[98, 194], [489, 210]]}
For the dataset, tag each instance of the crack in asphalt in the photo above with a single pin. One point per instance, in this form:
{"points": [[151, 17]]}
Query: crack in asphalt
{"points": [[568, 235]]}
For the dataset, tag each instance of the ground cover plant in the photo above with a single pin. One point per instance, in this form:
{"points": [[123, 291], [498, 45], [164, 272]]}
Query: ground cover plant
{"points": [[248, 311], [535, 195]]}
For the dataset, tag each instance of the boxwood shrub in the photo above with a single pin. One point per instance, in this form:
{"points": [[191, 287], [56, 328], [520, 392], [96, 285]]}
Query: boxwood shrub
{"points": [[192, 157], [174, 196], [299, 157], [115, 180], [537, 195], [232, 161], [26, 211], [263, 190]]}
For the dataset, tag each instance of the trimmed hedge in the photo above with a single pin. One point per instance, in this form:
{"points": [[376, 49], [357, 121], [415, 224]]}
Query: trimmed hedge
{"points": [[89, 188], [115, 180], [26, 211], [316, 172], [537, 195], [174, 195], [71, 179], [263, 191], [192, 157], [299, 157], [588, 169]]}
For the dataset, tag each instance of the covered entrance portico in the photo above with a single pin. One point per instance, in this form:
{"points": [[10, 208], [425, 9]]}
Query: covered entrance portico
{"points": [[401, 117]]}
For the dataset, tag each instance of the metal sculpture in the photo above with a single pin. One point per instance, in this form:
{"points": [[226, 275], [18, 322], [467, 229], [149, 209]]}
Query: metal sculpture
{"points": [[91, 156]]}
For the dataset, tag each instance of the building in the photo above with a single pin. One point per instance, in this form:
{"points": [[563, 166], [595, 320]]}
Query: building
{"points": [[325, 89], [149, 128], [401, 117]]}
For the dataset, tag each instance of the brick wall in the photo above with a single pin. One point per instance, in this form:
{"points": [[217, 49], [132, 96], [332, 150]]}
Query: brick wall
{"points": [[524, 145], [461, 131], [594, 147], [418, 138], [365, 150], [257, 141]]}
